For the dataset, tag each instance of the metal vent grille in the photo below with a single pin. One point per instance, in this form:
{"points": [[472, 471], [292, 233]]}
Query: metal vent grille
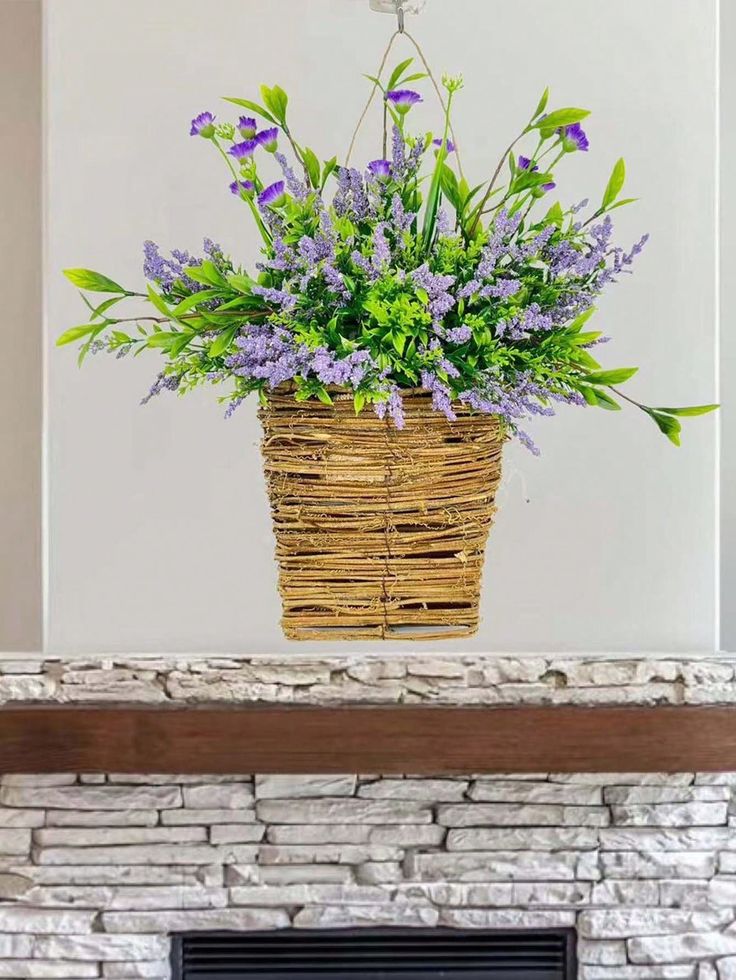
{"points": [[368, 954]]}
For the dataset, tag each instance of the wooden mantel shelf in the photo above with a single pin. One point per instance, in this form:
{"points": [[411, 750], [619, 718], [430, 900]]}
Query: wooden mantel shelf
{"points": [[387, 739]]}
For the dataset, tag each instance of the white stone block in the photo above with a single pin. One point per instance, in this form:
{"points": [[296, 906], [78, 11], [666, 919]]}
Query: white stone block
{"points": [[727, 862], [687, 948], [658, 864], [275, 787], [507, 791], [499, 815], [101, 947], [506, 919], [13, 886], [164, 854], [671, 815], [307, 894], [324, 833], [431, 790], [21, 969], [346, 916], [726, 968], [129, 898], [379, 873], [410, 835], [108, 836], [637, 973], [633, 795], [626, 893], [105, 874], [21, 818], [326, 853], [493, 866], [97, 818], [242, 920], [227, 796], [294, 874], [15, 947], [14, 919], [674, 839], [92, 797], [625, 923], [15, 841], [722, 890], [237, 833], [342, 811], [206, 817], [152, 970], [39, 779], [521, 839], [606, 952]]}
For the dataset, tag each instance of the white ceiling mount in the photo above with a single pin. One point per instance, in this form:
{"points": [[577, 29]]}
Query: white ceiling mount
{"points": [[389, 6]]}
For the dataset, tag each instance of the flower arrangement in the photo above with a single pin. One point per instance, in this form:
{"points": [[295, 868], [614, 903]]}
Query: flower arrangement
{"points": [[397, 276]]}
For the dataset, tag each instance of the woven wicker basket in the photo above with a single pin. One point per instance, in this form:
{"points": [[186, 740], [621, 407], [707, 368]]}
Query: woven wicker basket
{"points": [[380, 532]]}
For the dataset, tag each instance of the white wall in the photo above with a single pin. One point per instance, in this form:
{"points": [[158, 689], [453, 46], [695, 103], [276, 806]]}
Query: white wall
{"points": [[159, 534]]}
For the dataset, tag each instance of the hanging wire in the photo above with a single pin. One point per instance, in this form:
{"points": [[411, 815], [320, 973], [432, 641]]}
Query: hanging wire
{"points": [[401, 32]]}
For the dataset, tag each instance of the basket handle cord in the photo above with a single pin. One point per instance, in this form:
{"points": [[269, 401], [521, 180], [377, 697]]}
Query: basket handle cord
{"points": [[401, 32]]}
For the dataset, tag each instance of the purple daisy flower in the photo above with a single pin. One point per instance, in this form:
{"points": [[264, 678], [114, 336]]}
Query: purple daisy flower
{"points": [[573, 138], [247, 126], [523, 164], [272, 196], [380, 168], [241, 151], [203, 125], [268, 139], [449, 145], [403, 99], [241, 187]]}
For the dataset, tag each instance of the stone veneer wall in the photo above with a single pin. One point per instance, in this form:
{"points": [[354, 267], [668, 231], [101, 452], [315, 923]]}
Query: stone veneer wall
{"points": [[479, 679], [97, 871]]}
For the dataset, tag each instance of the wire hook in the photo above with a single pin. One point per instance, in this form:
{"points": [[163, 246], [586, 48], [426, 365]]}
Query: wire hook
{"points": [[400, 15]]}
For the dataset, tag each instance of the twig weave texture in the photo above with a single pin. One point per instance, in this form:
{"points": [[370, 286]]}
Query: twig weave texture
{"points": [[380, 532]]}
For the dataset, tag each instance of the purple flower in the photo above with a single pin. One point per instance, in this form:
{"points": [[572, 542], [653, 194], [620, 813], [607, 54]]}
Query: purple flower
{"points": [[272, 196], [203, 125], [241, 151], [242, 187], [403, 99], [247, 126], [573, 138], [523, 164], [449, 145], [542, 189], [380, 169], [296, 187], [268, 139]]}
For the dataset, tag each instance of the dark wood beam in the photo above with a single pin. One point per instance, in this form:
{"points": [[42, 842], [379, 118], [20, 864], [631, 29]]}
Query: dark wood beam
{"points": [[413, 739]]}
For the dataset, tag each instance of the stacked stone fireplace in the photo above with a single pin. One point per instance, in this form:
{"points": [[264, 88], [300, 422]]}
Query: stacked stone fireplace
{"points": [[97, 871]]}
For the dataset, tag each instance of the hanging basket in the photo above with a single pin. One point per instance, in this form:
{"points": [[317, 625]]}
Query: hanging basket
{"points": [[380, 532]]}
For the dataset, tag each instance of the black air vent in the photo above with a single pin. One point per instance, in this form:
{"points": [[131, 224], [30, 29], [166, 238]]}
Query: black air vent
{"points": [[367, 954]]}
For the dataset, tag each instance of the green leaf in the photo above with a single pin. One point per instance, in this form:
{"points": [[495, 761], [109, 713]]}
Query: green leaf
{"points": [[75, 333], [206, 273], [398, 71], [667, 424], [164, 339], [450, 188], [94, 282], [615, 184], [622, 202], [542, 104], [581, 320], [615, 377], [276, 100], [158, 302], [359, 400], [328, 168], [311, 163], [103, 307], [222, 342], [560, 117], [323, 395], [600, 399], [399, 342], [555, 215], [253, 106], [688, 410], [194, 300]]}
